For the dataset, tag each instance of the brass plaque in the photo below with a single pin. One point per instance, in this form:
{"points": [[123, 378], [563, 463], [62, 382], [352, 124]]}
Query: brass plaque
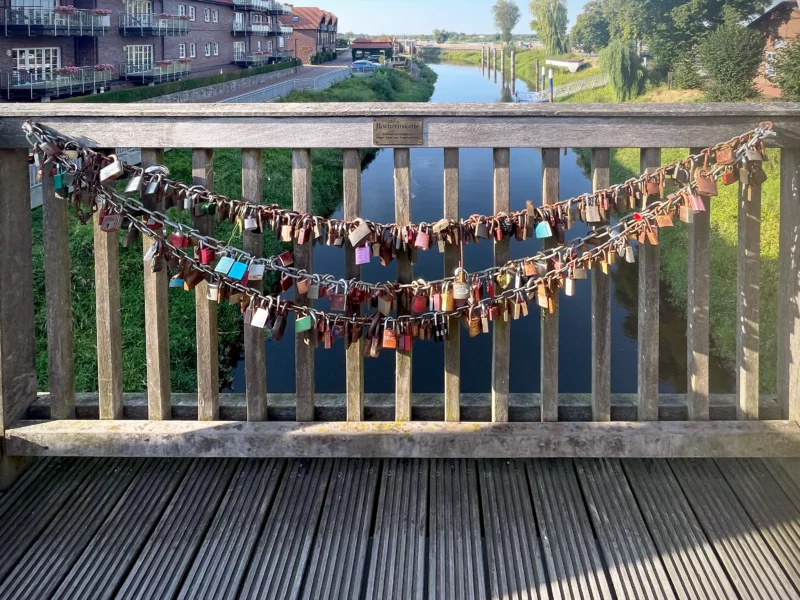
{"points": [[397, 132]]}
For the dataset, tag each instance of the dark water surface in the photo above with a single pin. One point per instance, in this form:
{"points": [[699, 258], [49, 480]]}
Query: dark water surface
{"points": [[469, 84]]}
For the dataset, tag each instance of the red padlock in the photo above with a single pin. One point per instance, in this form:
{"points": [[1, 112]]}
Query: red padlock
{"points": [[178, 240], [206, 255]]}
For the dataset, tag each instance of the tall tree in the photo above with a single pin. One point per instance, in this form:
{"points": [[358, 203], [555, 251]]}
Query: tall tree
{"points": [[440, 35], [624, 68], [731, 55], [506, 17], [550, 23], [591, 31]]}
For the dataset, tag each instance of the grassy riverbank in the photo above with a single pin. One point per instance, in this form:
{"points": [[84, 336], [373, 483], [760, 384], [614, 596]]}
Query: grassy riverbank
{"points": [[277, 167]]}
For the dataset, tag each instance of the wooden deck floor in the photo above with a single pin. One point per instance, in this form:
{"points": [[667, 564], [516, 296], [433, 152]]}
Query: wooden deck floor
{"points": [[376, 529]]}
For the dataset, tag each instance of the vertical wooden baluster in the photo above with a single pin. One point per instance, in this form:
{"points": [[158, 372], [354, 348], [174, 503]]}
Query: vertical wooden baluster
{"points": [[60, 352], [549, 361], [255, 358], [452, 347], [17, 343], [649, 298], [789, 287], [405, 274], [747, 306], [601, 308], [206, 310], [303, 259], [351, 174], [109, 323], [156, 322], [697, 336], [501, 343]]}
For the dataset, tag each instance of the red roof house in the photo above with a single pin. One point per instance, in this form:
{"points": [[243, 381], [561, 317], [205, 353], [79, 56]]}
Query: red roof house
{"points": [[314, 31]]}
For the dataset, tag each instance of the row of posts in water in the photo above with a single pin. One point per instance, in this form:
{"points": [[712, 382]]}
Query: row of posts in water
{"points": [[489, 59]]}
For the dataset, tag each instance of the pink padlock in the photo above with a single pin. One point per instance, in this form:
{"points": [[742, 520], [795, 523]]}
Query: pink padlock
{"points": [[363, 255]]}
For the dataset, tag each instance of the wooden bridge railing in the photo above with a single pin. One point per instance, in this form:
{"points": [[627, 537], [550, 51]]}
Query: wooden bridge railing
{"points": [[350, 127]]}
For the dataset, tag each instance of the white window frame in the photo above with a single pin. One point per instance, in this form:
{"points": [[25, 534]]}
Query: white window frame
{"points": [[281, 42], [269, 46], [238, 48], [192, 50], [207, 49], [192, 13], [256, 19], [181, 50], [36, 68], [215, 15], [138, 55], [770, 57], [258, 45], [216, 48], [207, 15], [181, 10]]}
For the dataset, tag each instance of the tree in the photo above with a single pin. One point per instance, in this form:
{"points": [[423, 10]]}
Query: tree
{"points": [[787, 66], [506, 17], [731, 55], [550, 23], [624, 68], [440, 35], [592, 30]]}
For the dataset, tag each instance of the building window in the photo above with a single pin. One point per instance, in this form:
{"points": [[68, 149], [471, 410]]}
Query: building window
{"points": [[207, 48], [181, 10], [780, 43], [216, 48], [769, 64], [269, 46], [258, 46], [192, 50], [181, 50], [295, 19], [238, 48], [38, 62], [191, 13], [140, 58], [255, 19], [215, 15], [280, 42], [207, 15]]}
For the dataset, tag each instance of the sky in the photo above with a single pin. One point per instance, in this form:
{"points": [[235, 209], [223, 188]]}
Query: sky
{"points": [[397, 17]]}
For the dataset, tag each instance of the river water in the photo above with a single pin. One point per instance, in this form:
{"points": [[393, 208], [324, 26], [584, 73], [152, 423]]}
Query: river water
{"points": [[470, 84]]}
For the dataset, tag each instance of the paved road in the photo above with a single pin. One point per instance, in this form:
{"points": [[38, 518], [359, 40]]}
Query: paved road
{"points": [[304, 72]]}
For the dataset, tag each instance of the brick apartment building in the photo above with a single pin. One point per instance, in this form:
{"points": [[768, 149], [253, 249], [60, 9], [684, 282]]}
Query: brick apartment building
{"points": [[51, 50], [314, 31], [780, 25]]}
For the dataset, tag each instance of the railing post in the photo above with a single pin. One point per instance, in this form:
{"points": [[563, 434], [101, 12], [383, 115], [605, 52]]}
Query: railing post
{"points": [[452, 346], [303, 259], [351, 181], [601, 308], [205, 309], [549, 336], [405, 274], [789, 286], [649, 299], [255, 359], [156, 323], [17, 344], [501, 335]]}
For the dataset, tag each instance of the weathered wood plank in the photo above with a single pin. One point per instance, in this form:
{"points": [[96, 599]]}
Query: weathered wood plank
{"points": [[338, 558], [692, 565], [635, 569], [551, 173], [405, 274], [255, 359], [205, 309], [726, 439], [748, 301], [501, 333], [751, 566], [397, 564], [354, 358], [571, 552], [156, 322], [601, 308], [161, 566], [649, 300], [789, 286], [17, 344], [221, 564], [109, 321], [698, 324], [303, 259], [58, 295], [446, 125], [101, 568], [280, 558], [452, 255]]}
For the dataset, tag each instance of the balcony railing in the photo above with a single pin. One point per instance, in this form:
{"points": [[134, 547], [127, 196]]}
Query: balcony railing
{"points": [[285, 30], [48, 21], [268, 6], [21, 85], [151, 24], [247, 28], [156, 73], [243, 59]]}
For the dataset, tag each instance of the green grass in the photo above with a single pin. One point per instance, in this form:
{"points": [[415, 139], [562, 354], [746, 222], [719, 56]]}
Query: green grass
{"points": [[723, 260], [145, 92]]}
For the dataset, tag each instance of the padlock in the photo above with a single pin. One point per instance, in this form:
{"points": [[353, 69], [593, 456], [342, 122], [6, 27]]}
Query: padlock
{"points": [[112, 171]]}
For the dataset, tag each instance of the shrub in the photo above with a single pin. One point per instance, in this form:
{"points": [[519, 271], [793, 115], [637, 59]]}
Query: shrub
{"points": [[382, 86], [731, 55], [685, 75], [624, 68], [788, 71]]}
